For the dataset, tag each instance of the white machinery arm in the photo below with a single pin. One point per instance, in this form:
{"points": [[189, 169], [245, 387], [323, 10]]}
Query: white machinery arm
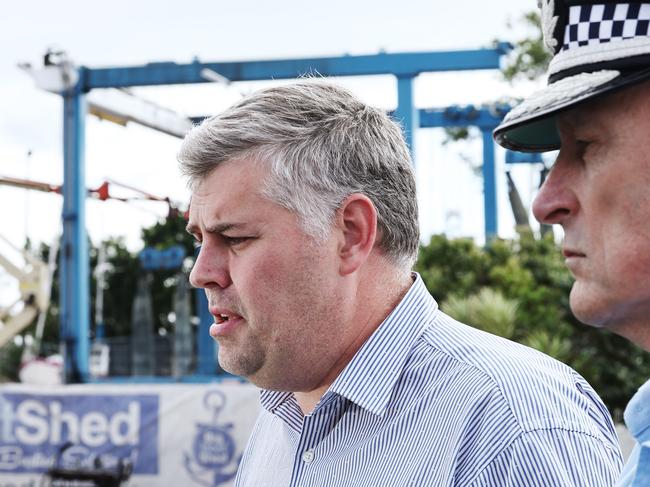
{"points": [[34, 287]]}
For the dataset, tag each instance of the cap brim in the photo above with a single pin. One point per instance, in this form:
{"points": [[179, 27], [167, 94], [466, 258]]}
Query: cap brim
{"points": [[531, 127]]}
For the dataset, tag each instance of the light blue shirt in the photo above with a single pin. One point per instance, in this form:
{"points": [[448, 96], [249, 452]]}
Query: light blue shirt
{"points": [[637, 418], [428, 401]]}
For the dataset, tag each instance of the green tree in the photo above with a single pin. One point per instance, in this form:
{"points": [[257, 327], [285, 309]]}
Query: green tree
{"points": [[529, 58], [487, 310], [520, 289], [121, 276]]}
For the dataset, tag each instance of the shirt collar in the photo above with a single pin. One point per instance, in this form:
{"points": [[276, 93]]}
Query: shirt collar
{"points": [[271, 400], [368, 380], [637, 414], [370, 377]]}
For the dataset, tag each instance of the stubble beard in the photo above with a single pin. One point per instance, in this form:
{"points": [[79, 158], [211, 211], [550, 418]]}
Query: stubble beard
{"points": [[240, 361]]}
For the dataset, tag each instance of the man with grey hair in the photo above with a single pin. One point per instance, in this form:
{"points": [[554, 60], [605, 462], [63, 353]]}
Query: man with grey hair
{"points": [[596, 111], [304, 205]]}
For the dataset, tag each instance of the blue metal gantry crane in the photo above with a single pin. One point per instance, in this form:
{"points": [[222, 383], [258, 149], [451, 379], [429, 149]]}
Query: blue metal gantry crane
{"points": [[486, 119], [77, 82]]}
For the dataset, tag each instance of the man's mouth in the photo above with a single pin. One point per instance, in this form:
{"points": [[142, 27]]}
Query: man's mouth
{"points": [[225, 321], [221, 318], [567, 253]]}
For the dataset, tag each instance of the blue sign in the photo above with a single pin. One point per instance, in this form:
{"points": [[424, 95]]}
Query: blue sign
{"points": [[171, 258], [34, 428]]}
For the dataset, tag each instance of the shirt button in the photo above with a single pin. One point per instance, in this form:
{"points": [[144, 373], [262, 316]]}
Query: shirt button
{"points": [[308, 456]]}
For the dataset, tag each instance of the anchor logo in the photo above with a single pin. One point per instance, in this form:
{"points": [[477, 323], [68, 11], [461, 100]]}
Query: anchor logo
{"points": [[213, 448]]}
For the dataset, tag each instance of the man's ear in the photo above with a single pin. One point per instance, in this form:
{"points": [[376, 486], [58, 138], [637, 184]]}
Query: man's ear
{"points": [[357, 223]]}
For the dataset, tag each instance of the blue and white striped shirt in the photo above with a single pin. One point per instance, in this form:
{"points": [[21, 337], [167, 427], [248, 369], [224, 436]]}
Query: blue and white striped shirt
{"points": [[428, 401], [636, 472]]}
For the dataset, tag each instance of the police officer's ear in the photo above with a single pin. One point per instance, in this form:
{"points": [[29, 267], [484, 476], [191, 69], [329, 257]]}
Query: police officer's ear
{"points": [[356, 227]]}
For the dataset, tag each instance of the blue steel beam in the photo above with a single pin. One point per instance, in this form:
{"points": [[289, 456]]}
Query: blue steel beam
{"points": [[513, 157], [457, 116], [75, 268], [489, 186], [486, 119], [406, 113], [399, 64]]}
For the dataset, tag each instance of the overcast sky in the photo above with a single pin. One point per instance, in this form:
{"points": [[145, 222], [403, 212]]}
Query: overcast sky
{"points": [[121, 33]]}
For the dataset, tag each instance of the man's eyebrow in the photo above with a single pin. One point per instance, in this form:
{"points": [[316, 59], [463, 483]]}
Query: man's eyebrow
{"points": [[217, 228]]}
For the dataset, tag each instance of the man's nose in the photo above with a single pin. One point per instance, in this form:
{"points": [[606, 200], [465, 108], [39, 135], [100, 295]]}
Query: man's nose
{"points": [[557, 200], [211, 268]]}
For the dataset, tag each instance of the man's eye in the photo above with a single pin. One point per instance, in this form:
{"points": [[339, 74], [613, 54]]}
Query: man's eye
{"points": [[231, 241]]}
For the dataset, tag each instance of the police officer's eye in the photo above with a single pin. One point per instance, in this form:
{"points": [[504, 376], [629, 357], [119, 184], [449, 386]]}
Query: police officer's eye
{"points": [[582, 146]]}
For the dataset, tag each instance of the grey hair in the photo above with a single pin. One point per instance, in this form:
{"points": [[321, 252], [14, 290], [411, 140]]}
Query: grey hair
{"points": [[323, 144]]}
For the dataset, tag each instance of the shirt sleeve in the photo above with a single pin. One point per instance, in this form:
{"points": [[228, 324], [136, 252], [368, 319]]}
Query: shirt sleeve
{"points": [[554, 457]]}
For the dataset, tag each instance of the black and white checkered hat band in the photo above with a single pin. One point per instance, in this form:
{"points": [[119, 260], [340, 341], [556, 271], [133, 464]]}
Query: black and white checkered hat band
{"points": [[597, 24], [600, 33]]}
